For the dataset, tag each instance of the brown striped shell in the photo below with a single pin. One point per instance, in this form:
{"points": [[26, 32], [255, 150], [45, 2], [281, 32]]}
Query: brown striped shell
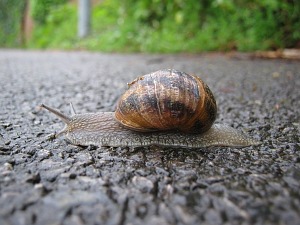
{"points": [[167, 100]]}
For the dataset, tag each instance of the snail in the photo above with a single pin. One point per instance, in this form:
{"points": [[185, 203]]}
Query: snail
{"points": [[164, 108]]}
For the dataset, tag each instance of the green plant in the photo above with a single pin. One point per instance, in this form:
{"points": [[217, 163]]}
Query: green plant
{"points": [[41, 8], [175, 26], [58, 32], [11, 16]]}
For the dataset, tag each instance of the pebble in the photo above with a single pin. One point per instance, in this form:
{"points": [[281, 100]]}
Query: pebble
{"points": [[143, 184]]}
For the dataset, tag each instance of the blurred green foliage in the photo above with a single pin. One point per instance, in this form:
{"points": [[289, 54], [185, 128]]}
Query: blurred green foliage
{"points": [[11, 13], [170, 25], [57, 30], [40, 9], [175, 25]]}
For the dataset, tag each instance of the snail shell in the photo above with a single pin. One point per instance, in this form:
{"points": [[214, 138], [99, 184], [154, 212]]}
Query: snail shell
{"points": [[165, 108], [167, 100]]}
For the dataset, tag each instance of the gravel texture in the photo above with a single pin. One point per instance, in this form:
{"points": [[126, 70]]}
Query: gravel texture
{"points": [[45, 181]]}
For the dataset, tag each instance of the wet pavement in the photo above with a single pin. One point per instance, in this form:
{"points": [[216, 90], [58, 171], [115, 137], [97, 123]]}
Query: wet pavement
{"points": [[45, 181]]}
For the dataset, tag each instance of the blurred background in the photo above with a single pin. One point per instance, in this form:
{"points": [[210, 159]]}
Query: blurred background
{"points": [[165, 26]]}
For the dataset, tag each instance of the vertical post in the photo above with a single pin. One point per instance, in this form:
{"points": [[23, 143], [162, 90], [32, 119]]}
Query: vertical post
{"points": [[27, 23], [84, 13]]}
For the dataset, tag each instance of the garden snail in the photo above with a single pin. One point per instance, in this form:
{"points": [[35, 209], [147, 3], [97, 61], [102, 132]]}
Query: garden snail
{"points": [[165, 108]]}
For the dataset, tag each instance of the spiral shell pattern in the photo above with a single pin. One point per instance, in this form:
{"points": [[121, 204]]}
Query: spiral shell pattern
{"points": [[167, 100]]}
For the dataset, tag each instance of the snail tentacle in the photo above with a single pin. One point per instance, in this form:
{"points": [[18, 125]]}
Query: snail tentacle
{"points": [[66, 119], [72, 110]]}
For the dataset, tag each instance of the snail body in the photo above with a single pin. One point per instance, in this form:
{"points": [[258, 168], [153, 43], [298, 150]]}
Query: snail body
{"points": [[164, 108]]}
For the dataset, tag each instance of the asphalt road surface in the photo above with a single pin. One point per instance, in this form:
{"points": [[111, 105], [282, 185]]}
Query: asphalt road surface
{"points": [[45, 181]]}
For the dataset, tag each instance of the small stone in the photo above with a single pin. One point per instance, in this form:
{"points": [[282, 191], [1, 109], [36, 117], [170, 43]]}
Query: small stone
{"points": [[6, 125], [8, 166], [231, 210], [143, 184], [72, 176], [51, 175], [84, 158], [65, 175], [4, 144], [34, 179], [258, 102], [41, 188], [275, 74], [44, 153]]}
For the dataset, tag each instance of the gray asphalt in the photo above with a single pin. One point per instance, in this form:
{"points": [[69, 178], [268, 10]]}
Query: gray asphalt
{"points": [[44, 181]]}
